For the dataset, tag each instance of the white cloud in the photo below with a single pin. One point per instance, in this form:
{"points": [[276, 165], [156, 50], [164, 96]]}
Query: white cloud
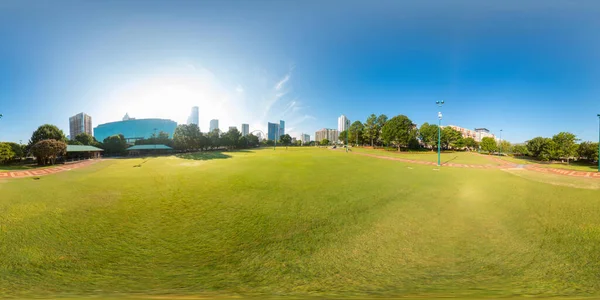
{"points": [[282, 82]]}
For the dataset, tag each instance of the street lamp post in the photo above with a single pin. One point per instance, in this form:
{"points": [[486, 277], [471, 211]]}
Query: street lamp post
{"points": [[439, 104], [347, 132], [598, 142], [500, 142]]}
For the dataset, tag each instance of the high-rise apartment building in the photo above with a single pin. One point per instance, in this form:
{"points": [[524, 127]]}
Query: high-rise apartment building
{"points": [[194, 116], [281, 128], [483, 132], [325, 133], [343, 123], [272, 131], [79, 123], [477, 134], [214, 124], [245, 129]]}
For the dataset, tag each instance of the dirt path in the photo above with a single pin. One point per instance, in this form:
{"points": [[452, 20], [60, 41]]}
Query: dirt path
{"points": [[503, 165], [42, 172]]}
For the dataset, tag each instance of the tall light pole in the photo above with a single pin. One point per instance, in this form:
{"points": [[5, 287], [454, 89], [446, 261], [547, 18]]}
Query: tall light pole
{"points": [[439, 104], [347, 132], [598, 142], [500, 142]]}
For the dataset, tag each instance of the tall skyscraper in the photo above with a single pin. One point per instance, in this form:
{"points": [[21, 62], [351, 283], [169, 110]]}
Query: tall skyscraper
{"points": [[194, 116], [281, 128], [273, 131], [80, 123], [245, 129], [343, 123], [214, 124]]}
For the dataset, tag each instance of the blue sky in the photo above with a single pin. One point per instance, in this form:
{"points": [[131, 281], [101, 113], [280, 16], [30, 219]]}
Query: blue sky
{"points": [[528, 67]]}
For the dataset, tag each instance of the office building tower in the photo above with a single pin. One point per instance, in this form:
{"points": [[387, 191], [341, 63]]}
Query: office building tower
{"points": [[272, 131], [214, 124], [326, 133], [305, 138], [480, 133], [194, 116], [281, 128], [245, 129], [79, 123], [343, 123]]}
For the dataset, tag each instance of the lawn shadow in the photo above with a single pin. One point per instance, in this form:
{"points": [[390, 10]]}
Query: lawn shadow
{"points": [[205, 155], [449, 160]]}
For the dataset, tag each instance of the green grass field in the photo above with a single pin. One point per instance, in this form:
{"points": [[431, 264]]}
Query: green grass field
{"points": [[573, 165], [451, 157], [297, 222]]}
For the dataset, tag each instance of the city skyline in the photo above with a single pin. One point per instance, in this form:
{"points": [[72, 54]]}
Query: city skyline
{"points": [[528, 78]]}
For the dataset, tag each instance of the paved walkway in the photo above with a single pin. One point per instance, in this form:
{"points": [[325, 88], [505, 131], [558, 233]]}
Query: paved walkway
{"points": [[503, 165], [42, 172]]}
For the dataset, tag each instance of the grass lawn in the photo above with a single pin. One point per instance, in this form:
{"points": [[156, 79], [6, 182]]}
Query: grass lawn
{"points": [[297, 222], [574, 165], [19, 167], [452, 157]]}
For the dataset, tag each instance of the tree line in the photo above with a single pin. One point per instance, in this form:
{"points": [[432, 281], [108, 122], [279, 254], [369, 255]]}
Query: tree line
{"points": [[561, 146], [400, 132]]}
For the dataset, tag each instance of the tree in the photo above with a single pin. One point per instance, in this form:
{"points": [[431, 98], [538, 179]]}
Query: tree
{"points": [[214, 138], [505, 147], [428, 133], [47, 132], [381, 120], [549, 151], [285, 139], [449, 137], [204, 141], [459, 143], [6, 152], [399, 130], [342, 136], [355, 133], [470, 143], [537, 145], [74, 142], [18, 150], [46, 151], [252, 140], [371, 130], [85, 139], [566, 146], [324, 142], [186, 137], [588, 151], [115, 144], [488, 144], [230, 138], [520, 150]]}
